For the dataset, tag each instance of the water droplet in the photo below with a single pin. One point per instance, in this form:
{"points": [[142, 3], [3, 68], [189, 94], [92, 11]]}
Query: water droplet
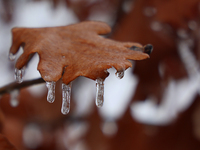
{"points": [[19, 73], [14, 102], [148, 49], [51, 91], [99, 92], [149, 11], [156, 26], [11, 56], [66, 97], [120, 74]]}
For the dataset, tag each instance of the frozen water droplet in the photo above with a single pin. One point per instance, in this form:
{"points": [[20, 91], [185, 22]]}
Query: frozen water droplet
{"points": [[11, 56], [149, 11], [19, 73], [66, 97], [14, 102], [51, 91], [120, 74], [99, 92], [156, 26]]}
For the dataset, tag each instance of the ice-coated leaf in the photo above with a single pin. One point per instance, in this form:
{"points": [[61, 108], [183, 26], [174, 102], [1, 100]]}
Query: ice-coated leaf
{"points": [[74, 50]]}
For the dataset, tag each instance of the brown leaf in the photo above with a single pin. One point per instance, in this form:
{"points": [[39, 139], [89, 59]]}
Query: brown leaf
{"points": [[181, 12], [5, 144], [84, 9], [74, 50]]}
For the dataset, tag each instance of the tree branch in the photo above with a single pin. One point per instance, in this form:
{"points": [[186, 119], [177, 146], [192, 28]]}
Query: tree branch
{"points": [[12, 86]]}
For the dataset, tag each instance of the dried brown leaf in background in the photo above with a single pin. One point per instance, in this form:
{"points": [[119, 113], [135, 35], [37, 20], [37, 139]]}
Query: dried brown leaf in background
{"points": [[5, 144]]}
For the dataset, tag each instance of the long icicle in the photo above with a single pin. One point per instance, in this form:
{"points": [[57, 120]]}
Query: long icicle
{"points": [[51, 91], [66, 97], [19, 73], [99, 92]]}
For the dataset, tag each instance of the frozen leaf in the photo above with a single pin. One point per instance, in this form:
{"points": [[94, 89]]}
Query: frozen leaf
{"points": [[74, 50]]}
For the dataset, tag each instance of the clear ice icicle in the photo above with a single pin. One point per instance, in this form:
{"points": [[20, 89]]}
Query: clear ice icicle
{"points": [[120, 74], [19, 73], [11, 56], [14, 98], [66, 97], [99, 92], [51, 91]]}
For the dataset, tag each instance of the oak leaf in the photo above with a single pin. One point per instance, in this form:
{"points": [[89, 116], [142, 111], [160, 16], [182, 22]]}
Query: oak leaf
{"points": [[74, 50]]}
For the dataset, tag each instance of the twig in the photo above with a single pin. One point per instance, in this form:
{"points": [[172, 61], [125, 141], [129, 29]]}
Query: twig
{"points": [[12, 86]]}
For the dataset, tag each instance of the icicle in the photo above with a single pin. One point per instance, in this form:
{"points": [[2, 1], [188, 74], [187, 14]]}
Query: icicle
{"points": [[19, 74], [66, 96], [120, 74], [11, 56], [99, 92], [14, 98], [51, 91]]}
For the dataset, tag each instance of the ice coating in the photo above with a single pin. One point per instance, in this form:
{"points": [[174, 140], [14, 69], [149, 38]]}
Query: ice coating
{"points": [[99, 92], [120, 74], [14, 102], [51, 91], [19, 73], [66, 97]]}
